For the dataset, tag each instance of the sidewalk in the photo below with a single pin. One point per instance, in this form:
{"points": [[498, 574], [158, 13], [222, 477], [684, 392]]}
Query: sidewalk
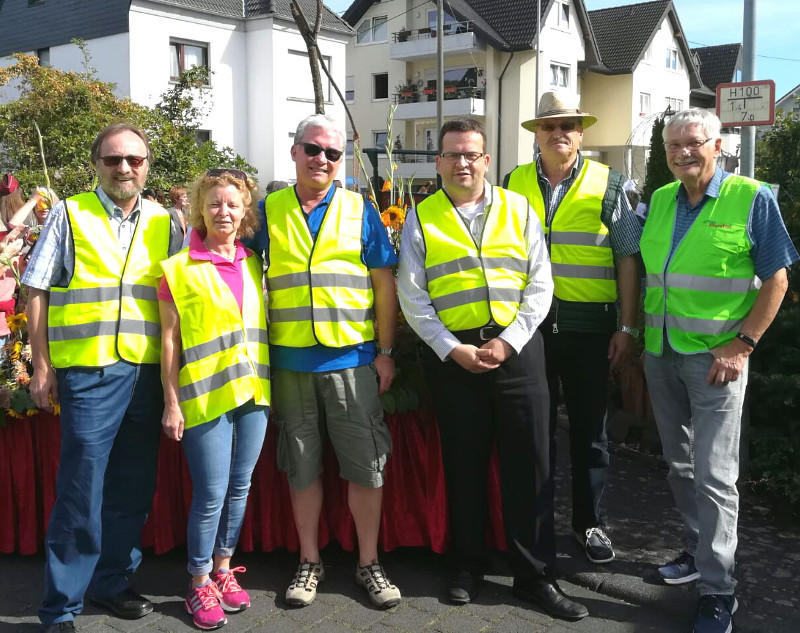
{"points": [[621, 596]]}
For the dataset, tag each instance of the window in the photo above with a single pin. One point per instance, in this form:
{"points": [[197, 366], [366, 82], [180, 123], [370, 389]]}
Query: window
{"points": [[185, 55], [43, 54], [562, 15], [373, 30], [644, 103], [350, 88], [380, 86], [674, 104], [559, 75], [449, 21], [301, 88], [648, 54], [348, 149], [380, 139], [672, 59], [201, 136]]}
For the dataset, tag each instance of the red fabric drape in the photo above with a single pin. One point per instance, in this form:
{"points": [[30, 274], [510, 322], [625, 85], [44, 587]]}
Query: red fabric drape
{"points": [[414, 501]]}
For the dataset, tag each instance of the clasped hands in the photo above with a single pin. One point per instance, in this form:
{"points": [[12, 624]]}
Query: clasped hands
{"points": [[479, 360]]}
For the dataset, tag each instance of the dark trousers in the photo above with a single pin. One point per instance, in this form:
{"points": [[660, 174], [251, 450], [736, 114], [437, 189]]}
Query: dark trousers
{"points": [[509, 406], [580, 361]]}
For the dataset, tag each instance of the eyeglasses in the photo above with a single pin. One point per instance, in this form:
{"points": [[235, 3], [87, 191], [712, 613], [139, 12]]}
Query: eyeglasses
{"points": [[692, 146], [566, 126], [222, 171], [470, 157], [114, 161], [312, 149]]}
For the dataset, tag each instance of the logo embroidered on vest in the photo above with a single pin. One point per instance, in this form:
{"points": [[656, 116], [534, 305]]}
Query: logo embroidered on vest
{"points": [[716, 225]]}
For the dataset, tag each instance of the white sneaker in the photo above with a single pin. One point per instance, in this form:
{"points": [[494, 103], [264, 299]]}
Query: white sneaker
{"points": [[303, 589], [380, 589]]}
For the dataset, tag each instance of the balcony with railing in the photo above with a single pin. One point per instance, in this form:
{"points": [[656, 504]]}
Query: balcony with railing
{"points": [[464, 95], [418, 44]]}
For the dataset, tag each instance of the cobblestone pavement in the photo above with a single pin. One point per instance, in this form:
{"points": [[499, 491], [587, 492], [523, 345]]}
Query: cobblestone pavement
{"points": [[621, 596]]}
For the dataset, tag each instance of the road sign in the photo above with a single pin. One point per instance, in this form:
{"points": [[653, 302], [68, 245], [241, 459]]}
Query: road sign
{"points": [[746, 103]]}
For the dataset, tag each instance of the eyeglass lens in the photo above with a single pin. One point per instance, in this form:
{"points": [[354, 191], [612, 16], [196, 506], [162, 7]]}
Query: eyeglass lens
{"points": [[113, 161], [566, 126]]}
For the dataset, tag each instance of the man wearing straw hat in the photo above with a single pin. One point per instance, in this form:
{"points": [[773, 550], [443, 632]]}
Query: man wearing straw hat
{"points": [[593, 239]]}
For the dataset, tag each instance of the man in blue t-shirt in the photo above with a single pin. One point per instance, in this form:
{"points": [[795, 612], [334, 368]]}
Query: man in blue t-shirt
{"points": [[331, 298]]}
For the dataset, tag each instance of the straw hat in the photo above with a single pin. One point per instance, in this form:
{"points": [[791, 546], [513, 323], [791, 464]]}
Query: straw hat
{"points": [[558, 105], [8, 185]]}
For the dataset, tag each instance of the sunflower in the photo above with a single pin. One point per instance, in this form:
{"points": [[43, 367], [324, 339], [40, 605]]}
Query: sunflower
{"points": [[394, 217], [16, 321]]}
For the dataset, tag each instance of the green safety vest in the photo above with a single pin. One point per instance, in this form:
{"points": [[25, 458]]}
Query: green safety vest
{"points": [[706, 289], [109, 309], [469, 285], [580, 249], [319, 292], [225, 352]]}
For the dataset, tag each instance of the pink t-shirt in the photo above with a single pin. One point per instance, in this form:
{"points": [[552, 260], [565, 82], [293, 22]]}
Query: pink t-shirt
{"points": [[231, 272]]}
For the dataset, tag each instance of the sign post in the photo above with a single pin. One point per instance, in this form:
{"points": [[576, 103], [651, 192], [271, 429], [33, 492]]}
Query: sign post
{"points": [[746, 103]]}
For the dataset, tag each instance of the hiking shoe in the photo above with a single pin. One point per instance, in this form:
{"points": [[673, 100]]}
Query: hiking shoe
{"points": [[380, 589], [233, 597], [714, 614], [596, 544], [203, 604], [303, 589], [679, 571]]}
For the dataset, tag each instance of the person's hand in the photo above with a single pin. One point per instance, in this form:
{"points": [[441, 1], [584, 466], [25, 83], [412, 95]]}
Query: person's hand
{"points": [[499, 348], [44, 389], [473, 359], [11, 244], [620, 348], [384, 365], [729, 361], [172, 422]]}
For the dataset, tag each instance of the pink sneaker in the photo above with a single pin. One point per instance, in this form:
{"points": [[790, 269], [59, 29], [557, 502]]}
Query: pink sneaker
{"points": [[234, 598], [203, 604]]}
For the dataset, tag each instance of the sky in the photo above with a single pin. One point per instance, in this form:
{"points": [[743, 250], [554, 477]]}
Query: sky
{"points": [[710, 22]]}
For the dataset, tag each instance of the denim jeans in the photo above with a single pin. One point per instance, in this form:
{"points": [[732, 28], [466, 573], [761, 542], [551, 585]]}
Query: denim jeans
{"points": [[110, 430], [221, 455], [699, 426]]}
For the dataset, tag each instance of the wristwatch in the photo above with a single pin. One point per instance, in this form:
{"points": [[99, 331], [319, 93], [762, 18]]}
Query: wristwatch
{"points": [[386, 351], [633, 331]]}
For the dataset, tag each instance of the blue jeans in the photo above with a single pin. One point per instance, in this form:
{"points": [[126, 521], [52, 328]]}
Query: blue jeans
{"points": [[110, 430], [699, 426], [221, 455]]}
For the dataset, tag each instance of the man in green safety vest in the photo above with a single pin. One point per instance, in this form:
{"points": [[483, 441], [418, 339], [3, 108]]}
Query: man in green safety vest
{"points": [[715, 251], [593, 239]]}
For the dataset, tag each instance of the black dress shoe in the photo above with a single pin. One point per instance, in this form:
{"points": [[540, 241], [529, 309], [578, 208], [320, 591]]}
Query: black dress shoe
{"points": [[59, 627], [548, 595], [127, 605], [463, 586]]}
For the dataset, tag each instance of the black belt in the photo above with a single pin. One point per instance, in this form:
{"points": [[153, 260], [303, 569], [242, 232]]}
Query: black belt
{"points": [[479, 334]]}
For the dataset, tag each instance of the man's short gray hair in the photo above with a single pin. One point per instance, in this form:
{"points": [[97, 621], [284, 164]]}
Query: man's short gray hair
{"points": [[709, 123], [318, 120]]}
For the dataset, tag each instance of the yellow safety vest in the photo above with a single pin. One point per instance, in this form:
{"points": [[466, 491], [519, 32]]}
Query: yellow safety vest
{"points": [[109, 309], [580, 249], [225, 357], [319, 292], [470, 284], [707, 288]]}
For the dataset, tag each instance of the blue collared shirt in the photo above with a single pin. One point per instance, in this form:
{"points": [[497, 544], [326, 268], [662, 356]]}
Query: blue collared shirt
{"points": [[772, 246], [52, 261]]}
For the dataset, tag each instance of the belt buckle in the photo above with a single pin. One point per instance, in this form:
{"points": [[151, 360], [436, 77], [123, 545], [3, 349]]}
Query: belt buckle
{"points": [[483, 336]]}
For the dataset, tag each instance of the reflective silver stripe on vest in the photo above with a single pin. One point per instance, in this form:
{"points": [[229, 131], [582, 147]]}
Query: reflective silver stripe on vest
{"points": [[507, 263], [579, 238], [703, 326], [653, 320], [84, 295], [283, 282], [282, 315], [710, 284], [82, 330], [505, 294], [139, 291], [342, 314], [583, 272], [654, 280], [331, 280], [142, 328], [460, 298], [221, 378], [455, 266], [257, 335], [219, 344]]}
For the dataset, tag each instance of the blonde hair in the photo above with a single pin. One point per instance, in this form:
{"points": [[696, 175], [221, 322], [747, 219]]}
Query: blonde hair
{"points": [[197, 199]]}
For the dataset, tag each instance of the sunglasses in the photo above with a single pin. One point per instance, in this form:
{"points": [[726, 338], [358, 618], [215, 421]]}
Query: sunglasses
{"points": [[312, 149], [222, 171], [114, 161], [566, 126]]}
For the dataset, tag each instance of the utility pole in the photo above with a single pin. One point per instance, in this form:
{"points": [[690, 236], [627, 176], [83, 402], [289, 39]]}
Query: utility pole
{"points": [[748, 153], [439, 67], [538, 54]]}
